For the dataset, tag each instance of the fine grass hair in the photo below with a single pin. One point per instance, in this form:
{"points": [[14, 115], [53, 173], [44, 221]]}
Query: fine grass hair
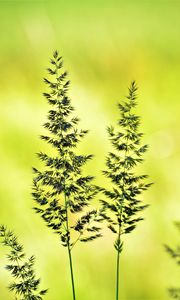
{"points": [[122, 204], [25, 285]]}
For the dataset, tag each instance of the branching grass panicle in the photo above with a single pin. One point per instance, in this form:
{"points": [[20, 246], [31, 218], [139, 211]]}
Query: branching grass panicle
{"points": [[122, 203], [62, 193]]}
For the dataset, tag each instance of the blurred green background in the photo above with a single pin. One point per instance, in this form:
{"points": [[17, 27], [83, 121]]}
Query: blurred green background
{"points": [[105, 45]]}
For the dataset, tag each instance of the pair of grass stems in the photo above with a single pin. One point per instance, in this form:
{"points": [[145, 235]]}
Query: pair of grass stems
{"points": [[63, 194]]}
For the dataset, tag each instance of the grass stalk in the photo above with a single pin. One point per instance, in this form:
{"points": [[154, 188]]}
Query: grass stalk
{"points": [[69, 250], [72, 274], [118, 270]]}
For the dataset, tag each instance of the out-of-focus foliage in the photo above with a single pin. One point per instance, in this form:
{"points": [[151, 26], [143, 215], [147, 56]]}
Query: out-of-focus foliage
{"points": [[106, 44], [25, 285], [175, 254]]}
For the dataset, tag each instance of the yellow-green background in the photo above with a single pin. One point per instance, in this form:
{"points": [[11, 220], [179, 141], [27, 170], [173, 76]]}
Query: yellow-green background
{"points": [[105, 44]]}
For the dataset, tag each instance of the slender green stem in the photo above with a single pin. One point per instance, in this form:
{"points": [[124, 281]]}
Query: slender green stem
{"points": [[117, 270], [119, 239], [117, 277], [69, 251], [72, 275]]}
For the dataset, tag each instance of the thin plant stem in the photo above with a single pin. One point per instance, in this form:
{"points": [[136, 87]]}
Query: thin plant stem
{"points": [[119, 239], [117, 270], [71, 269], [69, 251]]}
